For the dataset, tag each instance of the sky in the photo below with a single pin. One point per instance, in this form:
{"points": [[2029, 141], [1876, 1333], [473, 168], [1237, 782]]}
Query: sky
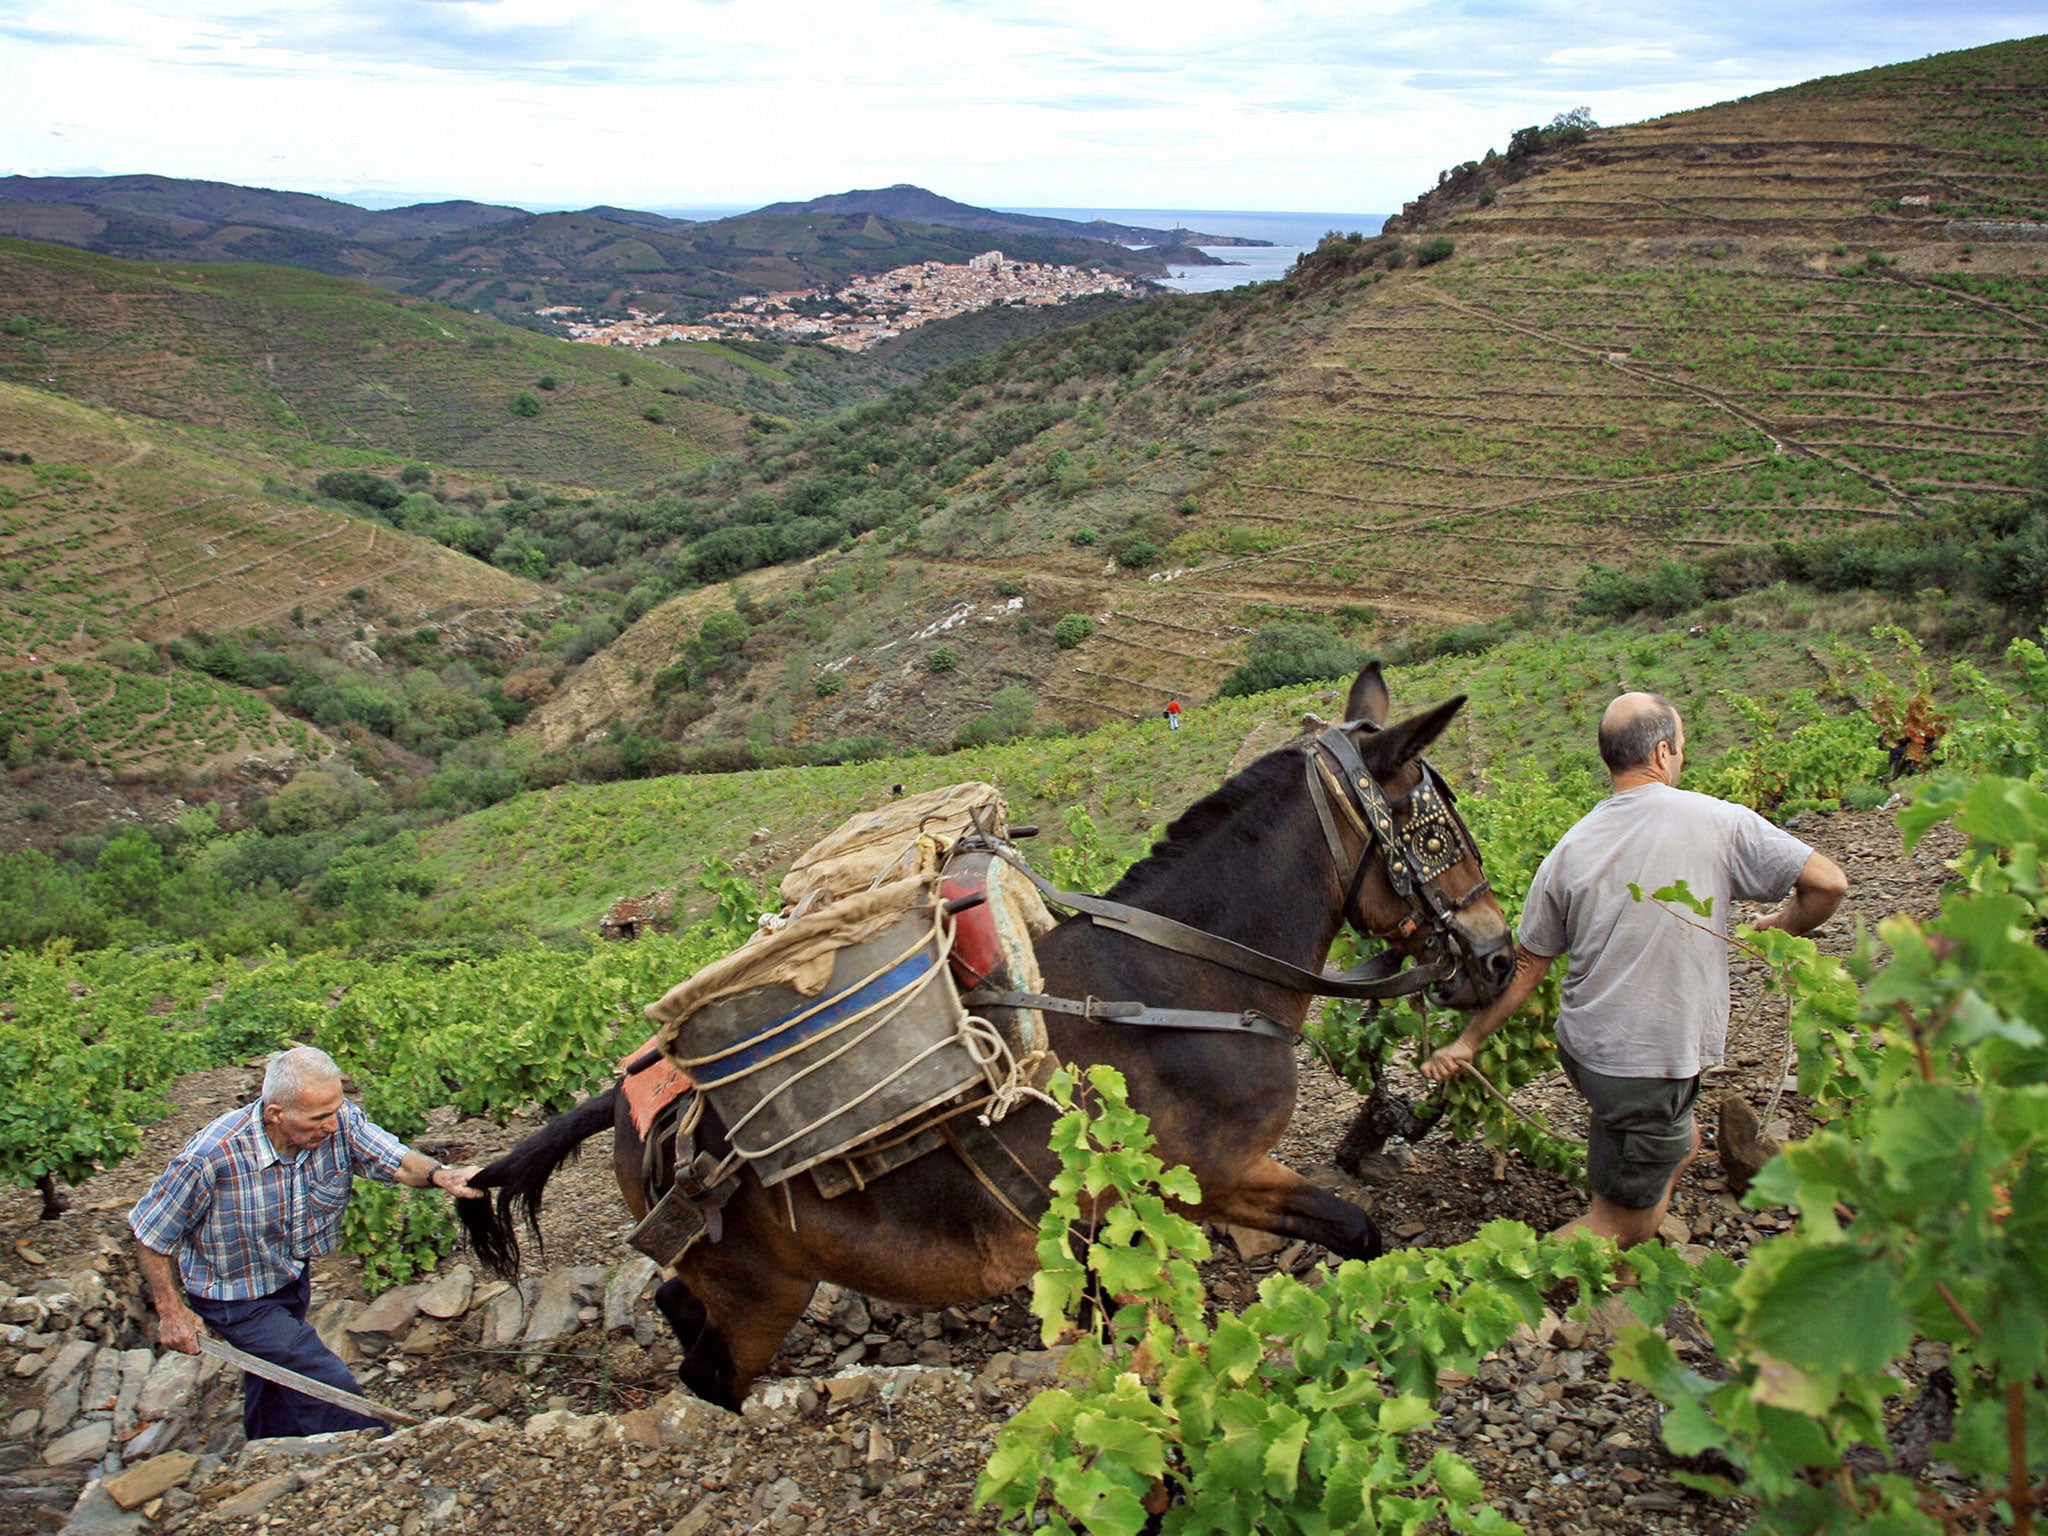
{"points": [[1338, 105]]}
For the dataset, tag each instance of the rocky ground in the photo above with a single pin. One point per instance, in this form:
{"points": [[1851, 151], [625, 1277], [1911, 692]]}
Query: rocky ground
{"points": [[550, 1407]]}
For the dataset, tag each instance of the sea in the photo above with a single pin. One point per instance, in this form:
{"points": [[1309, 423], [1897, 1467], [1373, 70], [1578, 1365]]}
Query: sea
{"points": [[1291, 234]]}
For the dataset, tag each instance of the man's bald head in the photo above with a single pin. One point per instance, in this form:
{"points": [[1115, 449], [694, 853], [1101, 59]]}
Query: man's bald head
{"points": [[1632, 727]]}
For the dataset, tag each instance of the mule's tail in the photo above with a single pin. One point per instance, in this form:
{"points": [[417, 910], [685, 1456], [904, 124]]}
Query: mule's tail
{"points": [[520, 1176]]}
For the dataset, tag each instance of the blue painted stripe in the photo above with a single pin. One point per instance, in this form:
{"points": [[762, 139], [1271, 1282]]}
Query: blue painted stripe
{"points": [[783, 1034]]}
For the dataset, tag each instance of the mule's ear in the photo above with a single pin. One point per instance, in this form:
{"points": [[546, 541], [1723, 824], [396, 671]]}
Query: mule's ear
{"points": [[1388, 749], [1368, 701]]}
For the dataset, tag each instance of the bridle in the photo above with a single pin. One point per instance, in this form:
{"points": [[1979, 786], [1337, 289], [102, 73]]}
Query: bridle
{"points": [[1415, 856]]}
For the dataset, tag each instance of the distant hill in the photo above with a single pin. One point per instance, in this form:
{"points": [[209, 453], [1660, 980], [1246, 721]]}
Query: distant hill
{"points": [[510, 263], [904, 201], [219, 202]]}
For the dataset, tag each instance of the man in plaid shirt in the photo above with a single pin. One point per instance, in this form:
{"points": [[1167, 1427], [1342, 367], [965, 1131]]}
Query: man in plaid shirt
{"points": [[245, 1208]]}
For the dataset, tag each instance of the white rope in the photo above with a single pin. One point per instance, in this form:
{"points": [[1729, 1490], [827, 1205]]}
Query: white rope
{"points": [[1013, 1084]]}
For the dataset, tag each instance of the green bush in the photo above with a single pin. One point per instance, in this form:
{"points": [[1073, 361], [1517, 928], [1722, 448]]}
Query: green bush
{"points": [[1671, 586], [525, 403], [944, 659], [1072, 630], [828, 685], [1083, 537], [1137, 554], [1433, 250], [1282, 655], [415, 474], [360, 486], [1007, 717]]}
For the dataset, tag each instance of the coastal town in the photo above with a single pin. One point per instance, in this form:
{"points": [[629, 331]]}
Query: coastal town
{"points": [[866, 311]]}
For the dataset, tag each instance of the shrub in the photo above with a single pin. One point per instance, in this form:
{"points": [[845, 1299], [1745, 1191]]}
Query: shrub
{"points": [[1671, 586], [1007, 717], [545, 381], [1433, 250], [1137, 555], [525, 403], [655, 414], [1072, 630], [944, 659], [1083, 537], [828, 685], [359, 486], [415, 474], [1281, 655]]}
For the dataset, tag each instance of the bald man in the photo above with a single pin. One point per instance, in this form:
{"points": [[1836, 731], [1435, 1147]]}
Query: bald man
{"points": [[1646, 988]]}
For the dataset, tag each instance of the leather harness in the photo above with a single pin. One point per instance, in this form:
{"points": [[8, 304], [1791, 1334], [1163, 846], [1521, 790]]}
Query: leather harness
{"points": [[1416, 858]]}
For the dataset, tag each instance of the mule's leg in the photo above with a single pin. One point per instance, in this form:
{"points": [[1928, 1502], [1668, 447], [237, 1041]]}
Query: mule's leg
{"points": [[750, 1304], [1279, 1200], [55, 1201], [685, 1313]]}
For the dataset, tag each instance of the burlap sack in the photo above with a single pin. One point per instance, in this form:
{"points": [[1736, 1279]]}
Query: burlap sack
{"points": [[904, 839]]}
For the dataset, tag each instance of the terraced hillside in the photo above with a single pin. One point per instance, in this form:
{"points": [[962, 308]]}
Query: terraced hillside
{"points": [[1879, 154], [111, 533], [1798, 317], [308, 365]]}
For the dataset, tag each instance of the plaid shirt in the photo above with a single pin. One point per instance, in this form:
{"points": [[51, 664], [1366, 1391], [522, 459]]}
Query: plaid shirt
{"points": [[244, 1220]]}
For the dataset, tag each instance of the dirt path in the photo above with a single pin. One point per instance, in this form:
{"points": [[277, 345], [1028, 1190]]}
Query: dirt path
{"points": [[895, 1443]]}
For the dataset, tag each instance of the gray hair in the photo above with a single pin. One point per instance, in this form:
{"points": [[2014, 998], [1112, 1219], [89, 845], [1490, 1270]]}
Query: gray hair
{"points": [[290, 1073], [1629, 737]]}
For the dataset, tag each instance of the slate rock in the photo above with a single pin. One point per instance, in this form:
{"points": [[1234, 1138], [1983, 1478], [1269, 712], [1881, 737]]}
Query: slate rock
{"points": [[384, 1320], [102, 1382], [258, 1496], [135, 1367], [145, 1480], [65, 1369], [172, 1383], [449, 1296], [86, 1443], [331, 1323], [96, 1514], [504, 1319], [622, 1291], [555, 1313], [154, 1437]]}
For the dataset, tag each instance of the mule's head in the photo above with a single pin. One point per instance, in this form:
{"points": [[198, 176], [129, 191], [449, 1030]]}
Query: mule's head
{"points": [[1450, 914]]}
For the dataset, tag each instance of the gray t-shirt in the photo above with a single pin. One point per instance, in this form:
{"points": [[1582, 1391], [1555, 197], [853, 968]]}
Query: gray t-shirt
{"points": [[1646, 990]]}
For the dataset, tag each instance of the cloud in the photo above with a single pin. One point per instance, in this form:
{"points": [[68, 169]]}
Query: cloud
{"points": [[1262, 103]]}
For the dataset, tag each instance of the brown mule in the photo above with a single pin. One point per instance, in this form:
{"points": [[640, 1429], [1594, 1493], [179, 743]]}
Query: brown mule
{"points": [[1251, 862]]}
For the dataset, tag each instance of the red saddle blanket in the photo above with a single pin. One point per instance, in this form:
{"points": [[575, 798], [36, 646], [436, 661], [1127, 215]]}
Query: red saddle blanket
{"points": [[647, 1091]]}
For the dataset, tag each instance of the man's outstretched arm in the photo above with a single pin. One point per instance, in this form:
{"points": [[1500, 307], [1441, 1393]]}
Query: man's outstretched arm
{"points": [[1815, 895], [1530, 969]]}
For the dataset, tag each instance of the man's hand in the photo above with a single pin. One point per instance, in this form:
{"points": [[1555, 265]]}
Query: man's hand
{"points": [[1815, 895], [1450, 1061], [179, 1328], [456, 1181]]}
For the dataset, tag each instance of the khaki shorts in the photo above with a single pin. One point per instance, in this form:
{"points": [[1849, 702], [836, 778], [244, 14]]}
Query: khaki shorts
{"points": [[1639, 1132]]}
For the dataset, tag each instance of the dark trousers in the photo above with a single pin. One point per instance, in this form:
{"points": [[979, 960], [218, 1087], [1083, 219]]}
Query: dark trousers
{"points": [[274, 1328]]}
